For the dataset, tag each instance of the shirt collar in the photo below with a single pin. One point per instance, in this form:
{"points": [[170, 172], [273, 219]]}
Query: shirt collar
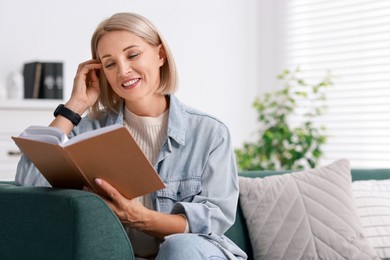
{"points": [[116, 118], [177, 120]]}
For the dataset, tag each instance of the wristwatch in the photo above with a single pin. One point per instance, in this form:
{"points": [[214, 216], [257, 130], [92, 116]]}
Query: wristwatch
{"points": [[67, 113]]}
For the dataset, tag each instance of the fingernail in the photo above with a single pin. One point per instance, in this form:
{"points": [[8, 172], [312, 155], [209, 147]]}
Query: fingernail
{"points": [[98, 181]]}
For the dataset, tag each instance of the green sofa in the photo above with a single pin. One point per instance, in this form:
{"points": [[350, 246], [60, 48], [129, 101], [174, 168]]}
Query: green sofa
{"points": [[46, 223]]}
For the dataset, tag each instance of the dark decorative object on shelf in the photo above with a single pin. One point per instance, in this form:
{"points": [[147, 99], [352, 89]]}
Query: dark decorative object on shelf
{"points": [[43, 80]]}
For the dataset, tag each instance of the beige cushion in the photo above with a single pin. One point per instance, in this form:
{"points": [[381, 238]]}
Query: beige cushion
{"points": [[305, 215]]}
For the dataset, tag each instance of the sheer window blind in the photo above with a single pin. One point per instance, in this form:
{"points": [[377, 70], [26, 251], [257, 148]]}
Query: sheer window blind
{"points": [[351, 39]]}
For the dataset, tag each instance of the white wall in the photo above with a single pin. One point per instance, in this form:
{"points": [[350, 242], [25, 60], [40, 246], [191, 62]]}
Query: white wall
{"points": [[217, 46]]}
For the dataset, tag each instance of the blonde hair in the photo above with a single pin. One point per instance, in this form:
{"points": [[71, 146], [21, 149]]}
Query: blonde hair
{"points": [[138, 25]]}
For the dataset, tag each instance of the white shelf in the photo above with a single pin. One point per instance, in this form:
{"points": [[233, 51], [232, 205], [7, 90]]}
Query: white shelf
{"points": [[31, 104]]}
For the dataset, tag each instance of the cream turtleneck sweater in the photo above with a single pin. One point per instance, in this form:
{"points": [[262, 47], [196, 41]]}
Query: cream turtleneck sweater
{"points": [[148, 132]]}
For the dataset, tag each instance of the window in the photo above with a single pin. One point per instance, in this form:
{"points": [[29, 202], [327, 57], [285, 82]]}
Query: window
{"points": [[351, 39]]}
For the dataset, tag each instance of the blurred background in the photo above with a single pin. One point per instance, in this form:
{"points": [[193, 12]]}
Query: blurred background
{"points": [[229, 52]]}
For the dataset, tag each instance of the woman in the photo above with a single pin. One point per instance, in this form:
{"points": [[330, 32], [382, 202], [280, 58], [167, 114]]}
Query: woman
{"points": [[130, 81]]}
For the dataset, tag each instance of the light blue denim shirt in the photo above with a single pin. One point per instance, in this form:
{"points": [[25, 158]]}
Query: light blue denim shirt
{"points": [[197, 165]]}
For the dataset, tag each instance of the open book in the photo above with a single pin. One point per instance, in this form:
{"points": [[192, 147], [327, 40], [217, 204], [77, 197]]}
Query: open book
{"points": [[109, 153]]}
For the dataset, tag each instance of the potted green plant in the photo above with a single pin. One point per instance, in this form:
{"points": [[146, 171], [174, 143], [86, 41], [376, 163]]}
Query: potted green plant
{"points": [[283, 143]]}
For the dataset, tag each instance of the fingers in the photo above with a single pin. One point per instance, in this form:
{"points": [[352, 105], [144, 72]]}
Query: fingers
{"points": [[130, 212], [84, 70], [111, 192], [93, 75], [86, 84], [88, 64], [93, 81], [115, 200], [87, 68]]}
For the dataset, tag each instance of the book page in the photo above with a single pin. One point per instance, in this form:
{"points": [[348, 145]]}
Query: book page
{"points": [[45, 134], [92, 133], [54, 135]]}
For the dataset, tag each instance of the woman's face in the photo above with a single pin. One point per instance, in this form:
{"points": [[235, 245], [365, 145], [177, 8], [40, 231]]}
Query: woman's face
{"points": [[130, 64]]}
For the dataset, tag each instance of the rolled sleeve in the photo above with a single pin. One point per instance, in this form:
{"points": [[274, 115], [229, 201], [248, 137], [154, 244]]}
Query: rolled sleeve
{"points": [[28, 175]]}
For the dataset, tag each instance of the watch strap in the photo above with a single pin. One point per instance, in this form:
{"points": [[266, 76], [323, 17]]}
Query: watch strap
{"points": [[67, 113]]}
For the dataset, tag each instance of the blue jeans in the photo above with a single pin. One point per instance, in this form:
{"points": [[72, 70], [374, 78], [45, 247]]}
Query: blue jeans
{"points": [[188, 247]]}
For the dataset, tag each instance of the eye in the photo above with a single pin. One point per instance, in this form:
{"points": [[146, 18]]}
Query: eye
{"points": [[109, 65], [133, 55]]}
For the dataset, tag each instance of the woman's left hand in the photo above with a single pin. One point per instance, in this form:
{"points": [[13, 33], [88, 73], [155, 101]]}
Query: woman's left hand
{"points": [[130, 211]]}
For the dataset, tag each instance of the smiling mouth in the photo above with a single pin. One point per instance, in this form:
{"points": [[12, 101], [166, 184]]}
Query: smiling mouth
{"points": [[131, 83]]}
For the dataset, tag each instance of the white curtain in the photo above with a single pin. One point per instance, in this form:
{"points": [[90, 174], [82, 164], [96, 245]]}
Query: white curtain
{"points": [[350, 38]]}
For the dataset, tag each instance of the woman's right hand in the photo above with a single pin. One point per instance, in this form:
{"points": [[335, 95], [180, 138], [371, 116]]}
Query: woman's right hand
{"points": [[85, 93], [86, 87]]}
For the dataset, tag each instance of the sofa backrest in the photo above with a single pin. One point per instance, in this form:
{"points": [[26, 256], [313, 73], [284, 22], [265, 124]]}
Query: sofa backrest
{"points": [[45, 223]]}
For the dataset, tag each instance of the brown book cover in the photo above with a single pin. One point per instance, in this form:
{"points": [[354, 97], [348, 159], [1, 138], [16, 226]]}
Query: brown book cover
{"points": [[109, 153]]}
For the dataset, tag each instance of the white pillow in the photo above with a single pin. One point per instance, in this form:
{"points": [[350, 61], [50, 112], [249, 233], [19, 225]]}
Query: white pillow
{"points": [[372, 199], [304, 215]]}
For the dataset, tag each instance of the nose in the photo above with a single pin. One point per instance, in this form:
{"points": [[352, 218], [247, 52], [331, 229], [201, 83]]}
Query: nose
{"points": [[124, 67]]}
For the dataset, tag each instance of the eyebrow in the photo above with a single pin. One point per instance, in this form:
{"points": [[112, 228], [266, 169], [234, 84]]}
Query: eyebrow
{"points": [[125, 49]]}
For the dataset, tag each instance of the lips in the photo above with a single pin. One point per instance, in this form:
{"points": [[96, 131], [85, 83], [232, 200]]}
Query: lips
{"points": [[132, 83]]}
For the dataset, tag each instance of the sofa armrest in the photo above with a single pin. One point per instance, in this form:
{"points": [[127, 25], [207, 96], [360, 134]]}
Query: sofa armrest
{"points": [[47, 223]]}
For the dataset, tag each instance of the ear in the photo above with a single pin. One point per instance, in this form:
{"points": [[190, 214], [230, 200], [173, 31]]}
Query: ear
{"points": [[161, 54]]}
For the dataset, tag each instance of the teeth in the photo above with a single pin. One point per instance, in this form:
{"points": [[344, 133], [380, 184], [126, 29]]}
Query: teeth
{"points": [[130, 82]]}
